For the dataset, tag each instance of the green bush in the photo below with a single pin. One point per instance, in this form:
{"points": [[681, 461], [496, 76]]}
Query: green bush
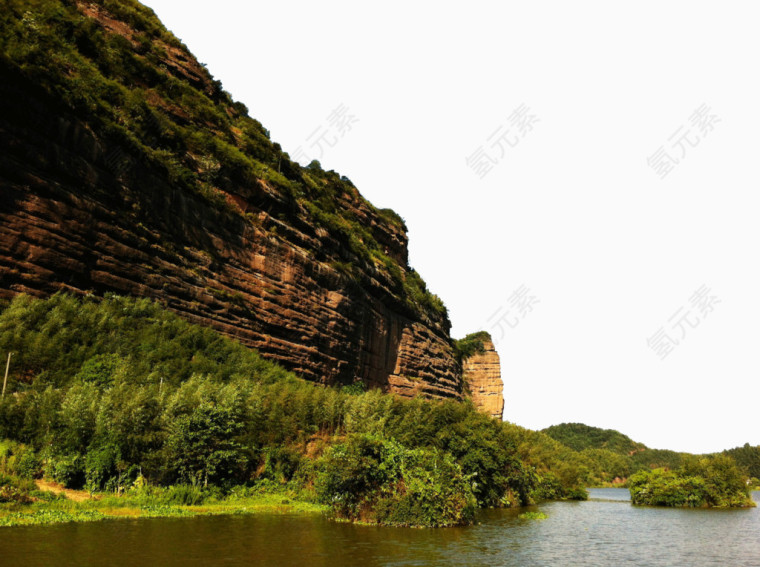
{"points": [[201, 445], [69, 470], [352, 474], [28, 464], [470, 345], [100, 369], [101, 467], [14, 489], [19, 460], [281, 464], [548, 487], [576, 493], [184, 495], [661, 487], [432, 491], [354, 389], [375, 480], [700, 483], [46, 496]]}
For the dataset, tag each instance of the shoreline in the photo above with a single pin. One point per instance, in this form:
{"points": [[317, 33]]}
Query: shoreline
{"points": [[115, 508]]}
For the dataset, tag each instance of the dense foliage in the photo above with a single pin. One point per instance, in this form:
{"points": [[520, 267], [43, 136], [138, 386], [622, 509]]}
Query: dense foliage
{"points": [[578, 436], [556, 464], [747, 457], [610, 455], [104, 392], [656, 458], [470, 345], [714, 481], [369, 478], [124, 74]]}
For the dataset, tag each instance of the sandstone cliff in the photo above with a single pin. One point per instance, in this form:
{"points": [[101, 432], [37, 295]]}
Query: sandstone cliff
{"points": [[482, 373], [124, 167]]}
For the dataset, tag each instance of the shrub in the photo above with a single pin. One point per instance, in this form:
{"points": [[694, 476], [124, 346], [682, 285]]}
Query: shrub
{"points": [[576, 493], [184, 495], [14, 489], [28, 464], [700, 483], [101, 467], [354, 389], [100, 369], [19, 460], [470, 345], [376, 480], [201, 446], [353, 473], [548, 487], [67, 469], [432, 491], [281, 464]]}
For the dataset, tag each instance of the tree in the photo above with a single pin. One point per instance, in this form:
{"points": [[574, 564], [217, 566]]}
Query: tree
{"points": [[201, 447]]}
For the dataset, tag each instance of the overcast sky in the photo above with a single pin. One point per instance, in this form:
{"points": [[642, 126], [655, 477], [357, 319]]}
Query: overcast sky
{"points": [[578, 178]]}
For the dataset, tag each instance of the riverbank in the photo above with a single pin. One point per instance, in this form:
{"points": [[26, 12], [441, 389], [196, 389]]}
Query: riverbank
{"points": [[108, 507]]}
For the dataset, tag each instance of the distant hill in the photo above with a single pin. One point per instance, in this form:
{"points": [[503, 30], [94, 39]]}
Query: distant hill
{"points": [[600, 445], [579, 436], [747, 457]]}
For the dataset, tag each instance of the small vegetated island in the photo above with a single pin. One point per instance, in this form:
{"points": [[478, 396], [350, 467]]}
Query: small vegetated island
{"points": [[707, 482]]}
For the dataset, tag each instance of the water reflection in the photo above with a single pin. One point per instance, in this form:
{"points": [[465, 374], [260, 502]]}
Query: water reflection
{"points": [[609, 494], [606, 530]]}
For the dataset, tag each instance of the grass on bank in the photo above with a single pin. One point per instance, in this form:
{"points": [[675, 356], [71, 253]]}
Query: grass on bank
{"points": [[156, 502]]}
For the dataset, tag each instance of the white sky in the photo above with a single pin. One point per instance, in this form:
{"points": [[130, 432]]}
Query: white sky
{"points": [[571, 210]]}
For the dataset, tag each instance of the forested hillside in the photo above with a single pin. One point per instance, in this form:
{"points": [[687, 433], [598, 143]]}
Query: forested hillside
{"points": [[110, 393]]}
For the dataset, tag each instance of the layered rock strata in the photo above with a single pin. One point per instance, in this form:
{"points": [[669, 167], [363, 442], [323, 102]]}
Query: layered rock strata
{"points": [[251, 271], [482, 374]]}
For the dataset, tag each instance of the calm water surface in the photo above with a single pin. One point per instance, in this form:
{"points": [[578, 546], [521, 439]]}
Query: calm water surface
{"points": [[606, 530]]}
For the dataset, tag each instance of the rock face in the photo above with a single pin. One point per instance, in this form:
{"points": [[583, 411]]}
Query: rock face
{"points": [[255, 269], [482, 373], [67, 225]]}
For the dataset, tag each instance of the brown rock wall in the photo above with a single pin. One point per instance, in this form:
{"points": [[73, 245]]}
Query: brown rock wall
{"points": [[482, 373], [68, 223]]}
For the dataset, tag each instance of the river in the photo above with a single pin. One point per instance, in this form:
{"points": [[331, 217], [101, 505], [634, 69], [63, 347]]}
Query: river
{"points": [[606, 530]]}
